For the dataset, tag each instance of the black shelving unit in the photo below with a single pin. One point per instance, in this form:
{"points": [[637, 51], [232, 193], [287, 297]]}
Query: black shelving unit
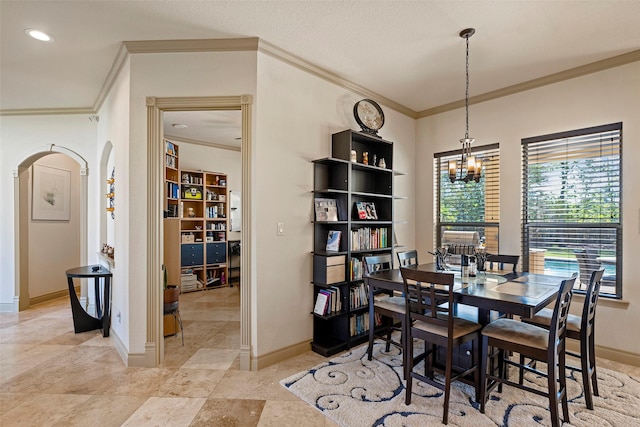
{"points": [[350, 182], [234, 262]]}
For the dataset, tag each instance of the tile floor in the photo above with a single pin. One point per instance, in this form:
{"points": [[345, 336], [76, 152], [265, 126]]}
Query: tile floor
{"points": [[50, 376]]}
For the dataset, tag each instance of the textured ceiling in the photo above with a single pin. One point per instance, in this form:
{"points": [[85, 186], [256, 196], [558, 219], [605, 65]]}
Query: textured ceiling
{"points": [[406, 51]]}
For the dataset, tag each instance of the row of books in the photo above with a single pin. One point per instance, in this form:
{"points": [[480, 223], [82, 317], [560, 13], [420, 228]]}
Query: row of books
{"points": [[191, 179], [171, 162], [356, 268], [369, 238], [328, 301], [359, 324], [358, 296], [173, 190], [171, 148], [215, 211]]}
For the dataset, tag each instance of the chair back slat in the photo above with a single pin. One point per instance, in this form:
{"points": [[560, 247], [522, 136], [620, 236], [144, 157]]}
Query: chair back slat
{"points": [[558, 327], [408, 258], [591, 300], [425, 292]]}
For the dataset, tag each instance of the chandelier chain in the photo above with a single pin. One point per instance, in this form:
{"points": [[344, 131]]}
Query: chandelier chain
{"points": [[466, 96]]}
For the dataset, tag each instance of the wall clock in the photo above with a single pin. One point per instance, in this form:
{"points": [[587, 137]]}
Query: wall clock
{"points": [[369, 116]]}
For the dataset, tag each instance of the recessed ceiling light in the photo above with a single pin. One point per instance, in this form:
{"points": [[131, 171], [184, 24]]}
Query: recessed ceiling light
{"points": [[38, 35], [179, 126]]}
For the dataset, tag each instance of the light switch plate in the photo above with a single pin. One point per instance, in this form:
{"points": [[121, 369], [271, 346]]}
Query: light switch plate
{"points": [[280, 230]]}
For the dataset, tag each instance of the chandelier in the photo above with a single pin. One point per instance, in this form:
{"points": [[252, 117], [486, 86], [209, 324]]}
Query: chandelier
{"points": [[470, 167]]}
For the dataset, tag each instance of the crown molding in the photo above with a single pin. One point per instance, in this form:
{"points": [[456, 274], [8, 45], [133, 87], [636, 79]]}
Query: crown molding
{"points": [[284, 56], [192, 45], [47, 111], [109, 81], [204, 143], [571, 73]]}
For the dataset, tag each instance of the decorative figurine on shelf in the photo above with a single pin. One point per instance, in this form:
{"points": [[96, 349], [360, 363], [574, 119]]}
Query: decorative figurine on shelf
{"points": [[354, 156], [375, 160], [191, 213], [365, 157], [382, 163], [185, 178]]}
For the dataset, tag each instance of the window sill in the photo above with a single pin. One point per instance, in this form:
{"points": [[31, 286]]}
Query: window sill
{"points": [[605, 301]]}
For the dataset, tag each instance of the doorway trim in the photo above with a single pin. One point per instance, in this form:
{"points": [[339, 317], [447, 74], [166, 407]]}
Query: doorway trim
{"points": [[21, 284], [154, 346]]}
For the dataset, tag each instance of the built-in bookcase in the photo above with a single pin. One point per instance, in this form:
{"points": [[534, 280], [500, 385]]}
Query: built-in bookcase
{"points": [[195, 225]]}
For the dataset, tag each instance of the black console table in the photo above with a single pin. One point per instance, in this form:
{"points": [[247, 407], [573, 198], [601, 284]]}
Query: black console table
{"points": [[83, 321]]}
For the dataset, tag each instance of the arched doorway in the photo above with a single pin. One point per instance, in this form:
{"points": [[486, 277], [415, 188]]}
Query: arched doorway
{"points": [[21, 217]]}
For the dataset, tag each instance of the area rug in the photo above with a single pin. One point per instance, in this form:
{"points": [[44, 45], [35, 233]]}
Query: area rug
{"points": [[353, 392]]}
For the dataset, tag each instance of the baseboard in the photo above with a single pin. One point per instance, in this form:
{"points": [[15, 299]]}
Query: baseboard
{"points": [[53, 295], [133, 360], [10, 307], [609, 353], [277, 356]]}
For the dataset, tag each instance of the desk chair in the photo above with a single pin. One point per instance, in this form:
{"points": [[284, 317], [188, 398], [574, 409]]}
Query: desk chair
{"points": [[535, 343], [389, 306], [408, 258], [581, 328], [435, 324]]}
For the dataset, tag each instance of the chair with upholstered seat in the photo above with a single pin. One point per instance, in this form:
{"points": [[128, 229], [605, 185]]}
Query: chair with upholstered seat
{"points": [[537, 344], [383, 302], [581, 328], [434, 323], [408, 258]]}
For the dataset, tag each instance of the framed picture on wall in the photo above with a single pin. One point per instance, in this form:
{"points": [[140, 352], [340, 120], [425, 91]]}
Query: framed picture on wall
{"points": [[50, 197]]}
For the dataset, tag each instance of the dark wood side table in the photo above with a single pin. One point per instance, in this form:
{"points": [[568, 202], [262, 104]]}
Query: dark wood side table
{"points": [[83, 321]]}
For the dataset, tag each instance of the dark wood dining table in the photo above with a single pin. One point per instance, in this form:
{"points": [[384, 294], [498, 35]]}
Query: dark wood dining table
{"points": [[521, 294]]}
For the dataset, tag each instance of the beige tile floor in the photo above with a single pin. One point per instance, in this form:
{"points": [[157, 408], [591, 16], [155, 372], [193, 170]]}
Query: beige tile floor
{"points": [[50, 376]]}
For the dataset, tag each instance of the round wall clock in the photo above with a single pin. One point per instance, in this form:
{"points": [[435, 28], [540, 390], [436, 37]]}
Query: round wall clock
{"points": [[369, 116]]}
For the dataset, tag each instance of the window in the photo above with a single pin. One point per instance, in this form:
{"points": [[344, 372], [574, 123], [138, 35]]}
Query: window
{"points": [[473, 206], [571, 205]]}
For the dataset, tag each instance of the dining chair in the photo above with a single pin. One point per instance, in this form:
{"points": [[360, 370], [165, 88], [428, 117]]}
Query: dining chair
{"points": [[383, 302], [534, 343], [435, 324], [408, 258], [581, 328], [502, 259]]}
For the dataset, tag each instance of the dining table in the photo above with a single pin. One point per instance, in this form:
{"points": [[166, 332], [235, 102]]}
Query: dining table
{"points": [[517, 293]]}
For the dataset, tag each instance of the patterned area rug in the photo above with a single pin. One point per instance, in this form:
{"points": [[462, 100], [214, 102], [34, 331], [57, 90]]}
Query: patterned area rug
{"points": [[354, 392]]}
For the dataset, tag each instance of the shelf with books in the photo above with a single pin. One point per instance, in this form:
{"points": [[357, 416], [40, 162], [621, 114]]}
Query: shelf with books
{"points": [[353, 213]]}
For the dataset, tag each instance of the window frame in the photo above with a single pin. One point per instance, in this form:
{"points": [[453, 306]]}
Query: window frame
{"points": [[613, 226], [463, 225]]}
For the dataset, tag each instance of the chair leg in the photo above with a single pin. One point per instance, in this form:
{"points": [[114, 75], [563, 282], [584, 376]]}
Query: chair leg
{"points": [[447, 385], [592, 365], [586, 371], [552, 382], [484, 355], [372, 327], [501, 368], [389, 331], [562, 376], [409, 369], [521, 369], [181, 327]]}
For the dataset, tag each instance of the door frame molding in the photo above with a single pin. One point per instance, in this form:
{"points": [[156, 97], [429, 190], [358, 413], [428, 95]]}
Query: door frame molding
{"points": [[154, 346]]}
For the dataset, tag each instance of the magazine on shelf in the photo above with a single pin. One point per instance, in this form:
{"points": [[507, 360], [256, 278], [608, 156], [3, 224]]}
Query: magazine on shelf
{"points": [[366, 210], [326, 209], [333, 240]]}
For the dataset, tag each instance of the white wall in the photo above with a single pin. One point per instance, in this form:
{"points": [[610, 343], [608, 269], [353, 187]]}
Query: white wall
{"points": [[297, 113], [22, 137], [53, 245], [596, 99]]}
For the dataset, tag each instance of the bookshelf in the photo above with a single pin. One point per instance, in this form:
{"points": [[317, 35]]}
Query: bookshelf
{"points": [[196, 224], [363, 195]]}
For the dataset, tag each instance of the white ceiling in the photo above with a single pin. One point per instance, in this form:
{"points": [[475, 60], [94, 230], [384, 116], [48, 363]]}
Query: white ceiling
{"points": [[406, 51]]}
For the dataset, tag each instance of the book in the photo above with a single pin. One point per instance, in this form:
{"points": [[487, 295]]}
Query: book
{"points": [[366, 210], [333, 240], [326, 209], [322, 300]]}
